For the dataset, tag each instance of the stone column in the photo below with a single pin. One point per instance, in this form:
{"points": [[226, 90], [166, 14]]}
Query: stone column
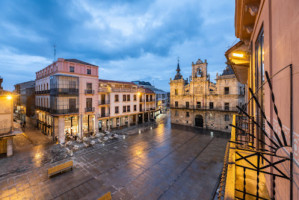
{"points": [[143, 117], [96, 124], [9, 147], [80, 126], [61, 135], [136, 120]]}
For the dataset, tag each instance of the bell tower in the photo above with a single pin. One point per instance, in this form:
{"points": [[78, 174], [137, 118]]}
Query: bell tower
{"points": [[199, 69]]}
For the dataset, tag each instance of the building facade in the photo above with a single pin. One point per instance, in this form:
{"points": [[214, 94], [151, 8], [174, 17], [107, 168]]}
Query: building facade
{"points": [[161, 96], [266, 59], [202, 103], [25, 99], [66, 99], [6, 121], [123, 104]]}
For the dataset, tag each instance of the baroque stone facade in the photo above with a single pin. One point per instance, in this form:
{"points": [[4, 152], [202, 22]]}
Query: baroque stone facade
{"points": [[202, 103]]}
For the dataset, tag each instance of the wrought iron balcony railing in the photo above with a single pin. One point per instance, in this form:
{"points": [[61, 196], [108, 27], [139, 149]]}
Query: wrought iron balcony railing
{"points": [[65, 111], [203, 108], [105, 115], [104, 102], [89, 109], [64, 91], [89, 91]]}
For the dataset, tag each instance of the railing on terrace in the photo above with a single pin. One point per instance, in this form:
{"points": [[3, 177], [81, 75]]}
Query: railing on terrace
{"points": [[216, 108], [260, 152]]}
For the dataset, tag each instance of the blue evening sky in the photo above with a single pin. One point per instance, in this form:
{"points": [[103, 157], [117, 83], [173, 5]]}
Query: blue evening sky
{"points": [[128, 40]]}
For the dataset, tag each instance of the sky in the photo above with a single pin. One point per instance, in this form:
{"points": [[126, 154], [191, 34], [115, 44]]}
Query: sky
{"points": [[129, 40]]}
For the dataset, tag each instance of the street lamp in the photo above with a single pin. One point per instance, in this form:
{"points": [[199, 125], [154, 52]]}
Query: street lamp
{"points": [[9, 97]]}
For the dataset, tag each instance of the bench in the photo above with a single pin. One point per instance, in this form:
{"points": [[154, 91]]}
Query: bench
{"points": [[106, 196], [60, 168]]}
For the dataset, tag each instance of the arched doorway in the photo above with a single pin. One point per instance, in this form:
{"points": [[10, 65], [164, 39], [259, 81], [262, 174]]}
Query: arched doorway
{"points": [[199, 121]]}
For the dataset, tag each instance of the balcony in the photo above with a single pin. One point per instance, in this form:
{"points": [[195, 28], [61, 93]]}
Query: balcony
{"points": [[43, 92], [89, 109], [64, 91], [103, 102], [42, 108], [205, 108], [105, 115], [124, 90], [150, 100], [89, 91], [103, 89], [64, 111]]}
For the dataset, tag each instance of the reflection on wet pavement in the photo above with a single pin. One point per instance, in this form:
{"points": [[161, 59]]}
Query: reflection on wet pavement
{"points": [[167, 162]]}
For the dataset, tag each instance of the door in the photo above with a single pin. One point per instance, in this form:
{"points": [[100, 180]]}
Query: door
{"points": [[199, 121], [72, 104]]}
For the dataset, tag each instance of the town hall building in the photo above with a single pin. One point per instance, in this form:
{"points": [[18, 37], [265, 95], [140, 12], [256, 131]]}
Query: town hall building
{"points": [[201, 103]]}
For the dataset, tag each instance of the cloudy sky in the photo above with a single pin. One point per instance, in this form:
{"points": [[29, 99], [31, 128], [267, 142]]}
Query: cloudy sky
{"points": [[128, 40]]}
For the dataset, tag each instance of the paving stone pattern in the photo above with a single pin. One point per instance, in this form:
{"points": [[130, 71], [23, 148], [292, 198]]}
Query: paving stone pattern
{"points": [[166, 162]]}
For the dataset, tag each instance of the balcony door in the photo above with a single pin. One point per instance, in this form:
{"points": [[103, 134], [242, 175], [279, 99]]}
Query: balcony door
{"points": [[259, 81], [72, 104]]}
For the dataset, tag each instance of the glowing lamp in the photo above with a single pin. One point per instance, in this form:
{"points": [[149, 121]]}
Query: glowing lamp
{"points": [[9, 97], [238, 55], [139, 93]]}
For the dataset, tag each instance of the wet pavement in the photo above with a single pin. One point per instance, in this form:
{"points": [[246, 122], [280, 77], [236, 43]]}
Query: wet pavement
{"points": [[167, 162]]}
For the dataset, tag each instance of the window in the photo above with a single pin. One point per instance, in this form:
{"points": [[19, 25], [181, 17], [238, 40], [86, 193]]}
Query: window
{"points": [[187, 114], [135, 107], [198, 104], [124, 97], [187, 104], [88, 71], [88, 102], [226, 90], [226, 118], [128, 109], [211, 105], [72, 69], [146, 98], [176, 92], [226, 106], [140, 107], [89, 86], [151, 97], [176, 104], [124, 109], [116, 110], [128, 97], [135, 97], [116, 98]]}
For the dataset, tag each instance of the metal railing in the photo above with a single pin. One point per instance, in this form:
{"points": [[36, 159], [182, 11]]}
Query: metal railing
{"points": [[104, 102], [104, 115], [203, 108], [103, 89], [42, 92], [89, 91], [256, 147], [123, 90], [65, 111], [89, 109], [64, 91]]}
